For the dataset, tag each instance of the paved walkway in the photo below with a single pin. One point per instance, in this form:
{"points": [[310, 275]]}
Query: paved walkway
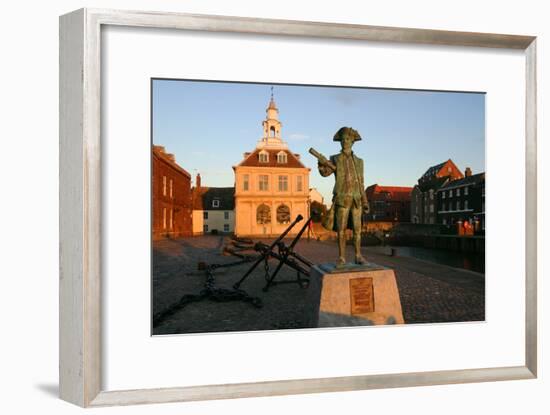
{"points": [[430, 293]]}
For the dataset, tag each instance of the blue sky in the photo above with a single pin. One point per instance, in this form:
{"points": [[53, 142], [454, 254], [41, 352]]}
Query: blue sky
{"points": [[209, 125]]}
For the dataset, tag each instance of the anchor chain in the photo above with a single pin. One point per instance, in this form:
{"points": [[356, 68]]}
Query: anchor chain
{"points": [[210, 291]]}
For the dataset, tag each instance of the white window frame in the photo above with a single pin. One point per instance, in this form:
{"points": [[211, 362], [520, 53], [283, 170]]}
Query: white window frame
{"points": [[299, 184], [283, 183], [216, 203], [226, 227], [458, 191], [226, 215], [263, 157], [282, 157], [263, 185], [466, 191]]}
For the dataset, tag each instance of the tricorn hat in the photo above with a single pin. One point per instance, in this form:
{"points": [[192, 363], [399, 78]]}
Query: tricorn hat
{"points": [[346, 130]]}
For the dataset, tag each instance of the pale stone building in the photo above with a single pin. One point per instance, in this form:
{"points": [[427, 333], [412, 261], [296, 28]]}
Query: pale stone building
{"points": [[271, 184], [213, 209]]}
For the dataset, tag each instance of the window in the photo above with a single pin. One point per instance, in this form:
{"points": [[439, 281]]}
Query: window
{"points": [[245, 182], [299, 186], [216, 203], [458, 205], [451, 193], [263, 214], [226, 215], [465, 205], [444, 221], [205, 215], [281, 157], [283, 183], [263, 157], [164, 185], [205, 228], [431, 208], [283, 214], [171, 223], [466, 191], [443, 194], [458, 192], [163, 218], [171, 189], [263, 183], [431, 194], [226, 227]]}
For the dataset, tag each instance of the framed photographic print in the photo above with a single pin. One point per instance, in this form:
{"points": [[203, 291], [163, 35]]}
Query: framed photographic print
{"points": [[278, 194]]}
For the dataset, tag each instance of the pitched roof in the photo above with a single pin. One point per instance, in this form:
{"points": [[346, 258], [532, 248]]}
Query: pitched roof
{"points": [[468, 180], [397, 193], [168, 158], [435, 183], [203, 198], [433, 170], [438, 171], [253, 159]]}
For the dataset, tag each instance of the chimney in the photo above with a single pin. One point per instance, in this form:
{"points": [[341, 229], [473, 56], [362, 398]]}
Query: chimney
{"points": [[198, 181], [468, 172]]}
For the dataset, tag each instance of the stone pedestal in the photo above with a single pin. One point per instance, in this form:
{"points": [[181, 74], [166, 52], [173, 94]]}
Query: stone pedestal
{"points": [[356, 295]]}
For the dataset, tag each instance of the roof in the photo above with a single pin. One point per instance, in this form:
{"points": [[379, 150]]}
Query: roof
{"points": [[253, 160], [434, 183], [203, 198], [436, 171], [468, 180], [433, 170], [168, 158], [397, 193]]}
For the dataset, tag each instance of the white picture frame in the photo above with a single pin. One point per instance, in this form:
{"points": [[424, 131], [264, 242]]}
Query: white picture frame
{"points": [[80, 206]]}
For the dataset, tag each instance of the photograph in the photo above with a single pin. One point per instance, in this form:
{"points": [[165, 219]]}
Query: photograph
{"points": [[279, 206]]}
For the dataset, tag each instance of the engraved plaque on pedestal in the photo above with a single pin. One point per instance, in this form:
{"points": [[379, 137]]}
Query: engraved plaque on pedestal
{"points": [[355, 295], [361, 295]]}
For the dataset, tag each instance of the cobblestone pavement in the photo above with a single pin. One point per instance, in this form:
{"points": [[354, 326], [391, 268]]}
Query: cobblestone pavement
{"points": [[429, 293]]}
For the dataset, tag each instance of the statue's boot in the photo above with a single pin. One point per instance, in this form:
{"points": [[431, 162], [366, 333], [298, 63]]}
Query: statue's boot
{"points": [[341, 249], [359, 259]]}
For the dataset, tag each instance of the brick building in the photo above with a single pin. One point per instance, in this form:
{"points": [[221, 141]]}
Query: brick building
{"points": [[271, 184], [213, 209], [423, 199], [389, 203], [463, 200], [171, 196]]}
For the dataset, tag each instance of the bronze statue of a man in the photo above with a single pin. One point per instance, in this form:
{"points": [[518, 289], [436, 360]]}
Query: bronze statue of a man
{"points": [[349, 199]]}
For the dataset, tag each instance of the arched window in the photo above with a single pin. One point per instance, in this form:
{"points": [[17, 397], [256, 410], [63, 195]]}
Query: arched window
{"points": [[272, 131], [263, 214], [263, 157], [281, 157], [283, 214]]}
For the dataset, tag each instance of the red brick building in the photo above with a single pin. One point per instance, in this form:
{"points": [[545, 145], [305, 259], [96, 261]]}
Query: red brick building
{"points": [[389, 203], [424, 200], [171, 197]]}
